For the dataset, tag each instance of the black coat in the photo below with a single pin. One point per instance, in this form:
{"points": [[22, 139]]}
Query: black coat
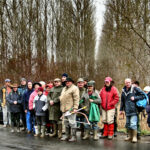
{"points": [[127, 104], [15, 96]]}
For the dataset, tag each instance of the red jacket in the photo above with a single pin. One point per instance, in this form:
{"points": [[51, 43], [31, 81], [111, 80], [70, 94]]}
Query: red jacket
{"points": [[109, 99]]}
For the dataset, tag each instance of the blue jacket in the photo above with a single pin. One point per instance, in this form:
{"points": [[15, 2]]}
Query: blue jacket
{"points": [[15, 96], [127, 104], [26, 97]]}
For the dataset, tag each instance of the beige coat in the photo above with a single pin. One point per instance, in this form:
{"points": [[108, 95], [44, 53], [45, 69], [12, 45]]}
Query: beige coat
{"points": [[69, 98]]}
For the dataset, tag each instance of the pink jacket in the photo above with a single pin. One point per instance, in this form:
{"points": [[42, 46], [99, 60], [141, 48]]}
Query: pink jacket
{"points": [[31, 99]]}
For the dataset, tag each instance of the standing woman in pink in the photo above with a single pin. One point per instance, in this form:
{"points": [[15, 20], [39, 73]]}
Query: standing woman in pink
{"points": [[109, 98]]}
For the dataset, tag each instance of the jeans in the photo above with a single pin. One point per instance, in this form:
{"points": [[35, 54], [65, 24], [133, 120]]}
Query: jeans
{"points": [[30, 120], [6, 116], [131, 122]]}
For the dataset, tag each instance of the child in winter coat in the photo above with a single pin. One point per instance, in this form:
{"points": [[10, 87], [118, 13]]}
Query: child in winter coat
{"points": [[40, 105]]}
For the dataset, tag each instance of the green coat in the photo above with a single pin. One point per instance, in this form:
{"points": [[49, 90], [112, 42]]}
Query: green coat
{"points": [[54, 110]]}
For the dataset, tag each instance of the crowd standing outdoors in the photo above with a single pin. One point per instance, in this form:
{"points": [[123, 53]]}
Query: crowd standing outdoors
{"points": [[61, 106]]}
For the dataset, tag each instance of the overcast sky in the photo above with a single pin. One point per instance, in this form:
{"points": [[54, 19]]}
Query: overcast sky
{"points": [[99, 16]]}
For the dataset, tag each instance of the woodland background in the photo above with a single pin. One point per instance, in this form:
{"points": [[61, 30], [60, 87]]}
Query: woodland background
{"points": [[41, 39]]}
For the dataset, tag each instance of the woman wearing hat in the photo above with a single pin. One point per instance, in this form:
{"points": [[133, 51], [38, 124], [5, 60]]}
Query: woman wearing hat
{"points": [[54, 107], [40, 105], [15, 101], [110, 97]]}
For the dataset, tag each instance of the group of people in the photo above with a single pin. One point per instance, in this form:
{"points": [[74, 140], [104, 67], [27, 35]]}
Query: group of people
{"points": [[64, 106]]}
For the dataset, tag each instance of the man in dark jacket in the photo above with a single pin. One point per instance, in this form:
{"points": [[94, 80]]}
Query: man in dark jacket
{"points": [[22, 89], [29, 114], [15, 101], [129, 97]]}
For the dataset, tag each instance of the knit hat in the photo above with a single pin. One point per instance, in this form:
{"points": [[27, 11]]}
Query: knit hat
{"points": [[108, 79], [40, 89], [65, 75]]}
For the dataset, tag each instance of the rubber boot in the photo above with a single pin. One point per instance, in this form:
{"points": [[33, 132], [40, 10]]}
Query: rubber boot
{"points": [[95, 137], [12, 130], [54, 131], [105, 131], [134, 133], [87, 134], [110, 131], [73, 135], [37, 131], [43, 132], [67, 135], [59, 131], [82, 131], [129, 138]]}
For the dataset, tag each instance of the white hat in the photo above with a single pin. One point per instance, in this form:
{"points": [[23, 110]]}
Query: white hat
{"points": [[147, 89]]}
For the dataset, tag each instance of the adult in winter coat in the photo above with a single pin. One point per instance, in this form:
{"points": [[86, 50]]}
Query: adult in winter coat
{"points": [[36, 85], [22, 89], [89, 97], [29, 116], [54, 108], [15, 100], [82, 90], [40, 105], [129, 97], [147, 91], [69, 101], [4, 92], [110, 97]]}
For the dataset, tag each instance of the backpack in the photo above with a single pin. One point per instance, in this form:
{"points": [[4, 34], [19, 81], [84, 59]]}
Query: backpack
{"points": [[141, 104]]}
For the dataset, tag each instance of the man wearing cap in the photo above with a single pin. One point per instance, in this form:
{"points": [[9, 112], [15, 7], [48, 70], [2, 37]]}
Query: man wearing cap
{"points": [[82, 90], [4, 92], [40, 105], [110, 97], [15, 100], [91, 96], [69, 102], [63, 79], [22, 89], [54, 108]]}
